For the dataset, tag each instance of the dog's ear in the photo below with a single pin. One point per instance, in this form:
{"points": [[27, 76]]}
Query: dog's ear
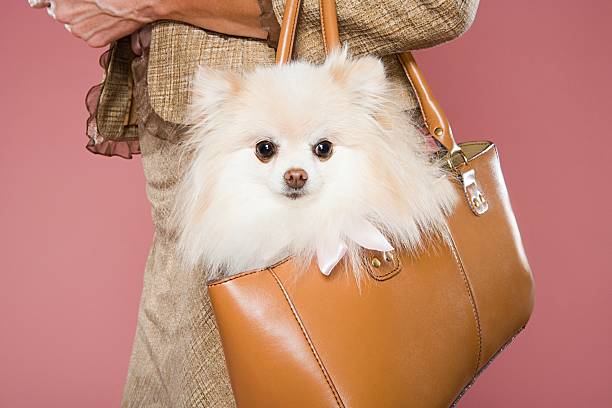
{"points": [[363, 77], [211, 88]]}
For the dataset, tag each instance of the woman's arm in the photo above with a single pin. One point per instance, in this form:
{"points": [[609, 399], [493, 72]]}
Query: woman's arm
{"points": [[235, 17], [376, 26], [393, 26], [101, 22], [384, 27]]}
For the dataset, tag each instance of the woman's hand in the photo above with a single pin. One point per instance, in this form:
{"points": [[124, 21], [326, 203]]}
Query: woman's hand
{"points": [[100, 22]]}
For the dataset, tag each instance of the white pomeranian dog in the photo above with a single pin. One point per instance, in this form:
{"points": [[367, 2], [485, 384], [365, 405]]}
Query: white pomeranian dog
{"points": [[311, 161]]}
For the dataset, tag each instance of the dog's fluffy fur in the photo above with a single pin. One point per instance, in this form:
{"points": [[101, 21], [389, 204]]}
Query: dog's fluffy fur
{"points": [[232, 211]]}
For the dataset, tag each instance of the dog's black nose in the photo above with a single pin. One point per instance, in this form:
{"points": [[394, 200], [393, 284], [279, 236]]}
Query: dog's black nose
{"points": [[296, 178]]}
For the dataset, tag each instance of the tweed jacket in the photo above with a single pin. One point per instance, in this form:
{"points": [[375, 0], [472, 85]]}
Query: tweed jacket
{"points": [[378, 27]]}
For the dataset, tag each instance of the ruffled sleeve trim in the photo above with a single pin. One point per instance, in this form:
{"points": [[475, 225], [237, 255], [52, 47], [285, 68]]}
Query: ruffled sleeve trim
{"points": [[107, 107]]}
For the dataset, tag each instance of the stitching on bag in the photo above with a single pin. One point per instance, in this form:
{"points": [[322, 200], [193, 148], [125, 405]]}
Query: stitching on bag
{"points": [[488, 363], [305, 333], [240, 275], [382, 277], [466, 280]]}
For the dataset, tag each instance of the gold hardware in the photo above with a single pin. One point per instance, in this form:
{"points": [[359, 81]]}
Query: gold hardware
{"points": [[473, 194], [438, 132], [383, 265], [449, 159]]}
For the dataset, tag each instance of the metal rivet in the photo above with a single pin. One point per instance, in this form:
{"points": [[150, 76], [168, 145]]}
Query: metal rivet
{"points": [[476, 202], [388, 256], [376, 262], [438, 132]]}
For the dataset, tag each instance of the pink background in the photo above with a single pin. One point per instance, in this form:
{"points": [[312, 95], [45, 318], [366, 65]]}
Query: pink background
{"points": [[533, 76]]}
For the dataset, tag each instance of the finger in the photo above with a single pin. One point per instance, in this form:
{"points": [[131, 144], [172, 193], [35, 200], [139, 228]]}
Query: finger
{"points": [[121, 29], [38, 3], [135, 42], [141, 39], [51, 9], [101, 30], [90, 27], [71, 13]]}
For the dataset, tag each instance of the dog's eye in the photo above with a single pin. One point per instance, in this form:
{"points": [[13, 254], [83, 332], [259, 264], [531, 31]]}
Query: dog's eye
{"points": [[323, 149], [264, 150]]}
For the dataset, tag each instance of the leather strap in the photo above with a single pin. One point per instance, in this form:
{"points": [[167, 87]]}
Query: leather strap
{"points": [[434, 117], [287, 31], [329, 25]]}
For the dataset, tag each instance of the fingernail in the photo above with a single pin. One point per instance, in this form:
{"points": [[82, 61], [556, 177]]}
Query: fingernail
{"points": [[67, 27]]}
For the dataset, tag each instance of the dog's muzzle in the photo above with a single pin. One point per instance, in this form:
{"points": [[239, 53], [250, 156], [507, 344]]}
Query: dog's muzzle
{"points": [[295, 180]]}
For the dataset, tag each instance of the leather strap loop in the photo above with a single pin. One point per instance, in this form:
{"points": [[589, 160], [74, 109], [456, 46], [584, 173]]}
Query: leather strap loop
{"points": [[433, 115]]}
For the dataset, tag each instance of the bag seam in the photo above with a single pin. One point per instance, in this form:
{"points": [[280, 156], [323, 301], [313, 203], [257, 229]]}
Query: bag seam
{"points": [[310, 344], [470, 291], [240, 275]]}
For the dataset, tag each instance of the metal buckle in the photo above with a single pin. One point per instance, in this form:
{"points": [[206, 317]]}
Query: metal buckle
{"points": [[475, 198], [449, 158]]}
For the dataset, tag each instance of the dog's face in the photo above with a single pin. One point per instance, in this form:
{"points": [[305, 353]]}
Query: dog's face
{"points": [[290, 158], [294, 129]]}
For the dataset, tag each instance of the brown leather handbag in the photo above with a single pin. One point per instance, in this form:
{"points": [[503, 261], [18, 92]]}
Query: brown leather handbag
{"points": [[423, 327]]}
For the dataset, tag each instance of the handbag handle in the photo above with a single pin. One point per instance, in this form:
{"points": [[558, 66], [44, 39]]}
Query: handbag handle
{"points": [[434, 117]]}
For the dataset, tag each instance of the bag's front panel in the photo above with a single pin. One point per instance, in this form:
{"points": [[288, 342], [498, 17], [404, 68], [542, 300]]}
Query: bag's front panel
{"points": [[411, 340], [491, 250], [269, 359]]}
